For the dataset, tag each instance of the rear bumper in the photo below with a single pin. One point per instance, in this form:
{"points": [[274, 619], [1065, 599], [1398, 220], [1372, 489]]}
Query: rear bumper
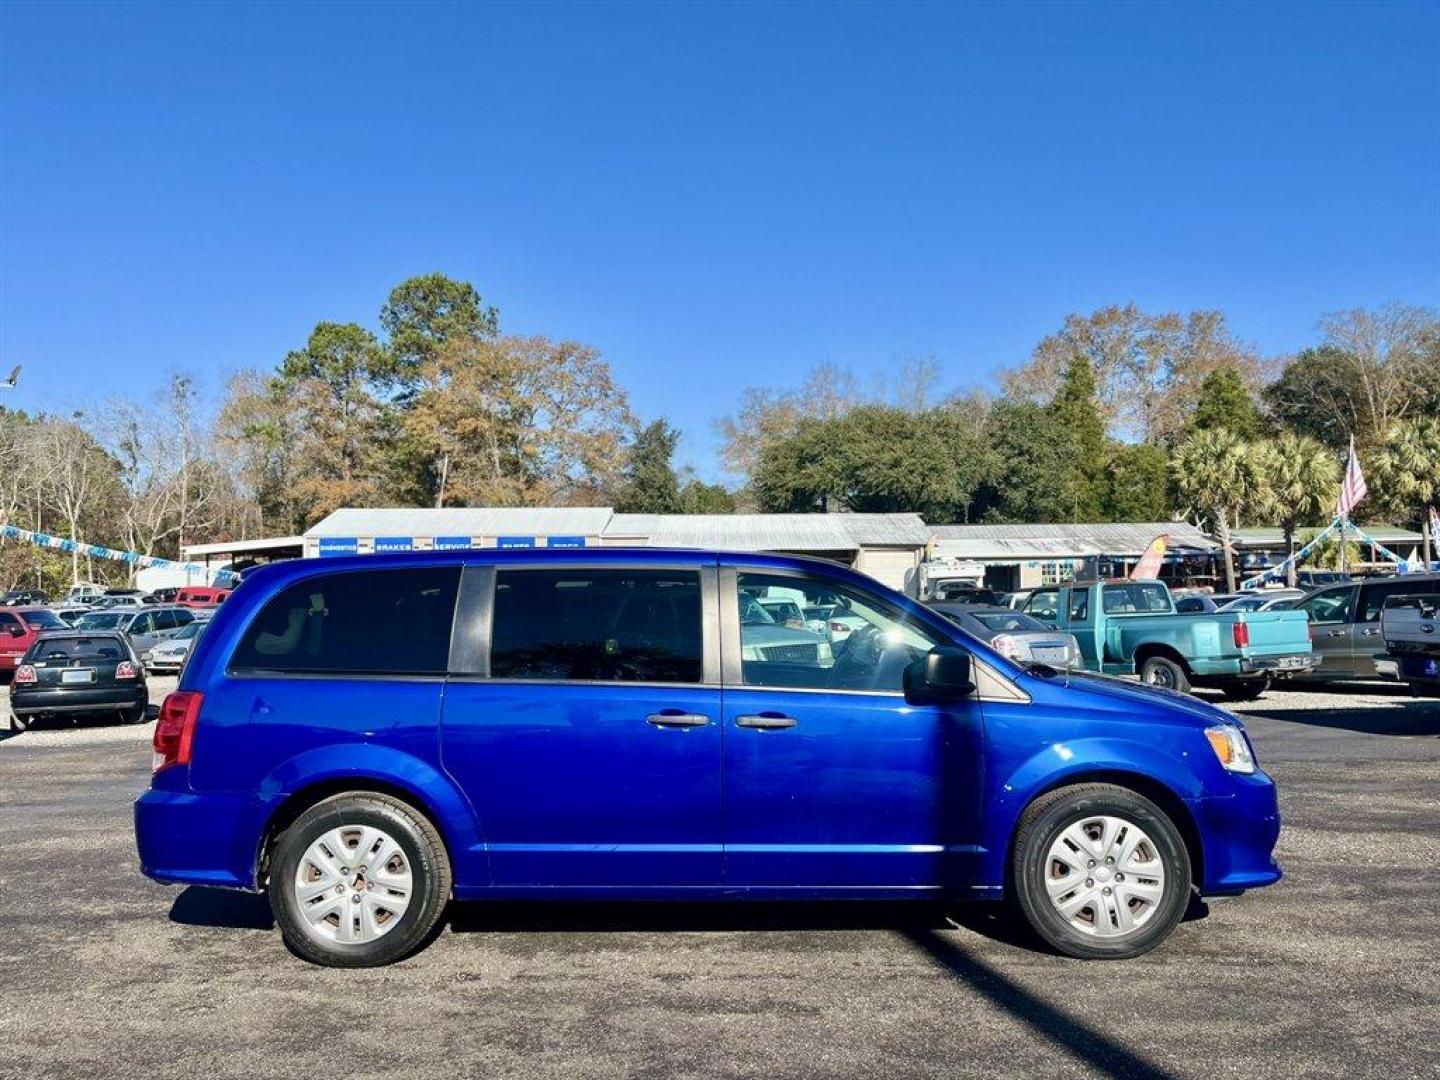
{"points": [[179, 835], [1255, 666], [75, 700], [1238, 833]]}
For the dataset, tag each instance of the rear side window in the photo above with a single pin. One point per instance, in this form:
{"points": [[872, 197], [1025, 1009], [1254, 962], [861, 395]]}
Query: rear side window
{"points": [[1331, 606], [1373, 597], [597, 625], [43, 620], [371, 622]]}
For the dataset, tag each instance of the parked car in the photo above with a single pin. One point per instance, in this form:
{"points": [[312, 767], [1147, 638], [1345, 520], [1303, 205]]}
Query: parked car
{"points": [[19, 627], [145, 627], [1265, 600], [1345, 622], [17, 597], [1015, 599], [168, 655], [1132, 627], [70, 614], [124, 600], [73, 673], [84, 592], [1410, 628], [1314, 579], [1013, 633], [968, 594], [367, 738], [201, 596], [164, 596]]}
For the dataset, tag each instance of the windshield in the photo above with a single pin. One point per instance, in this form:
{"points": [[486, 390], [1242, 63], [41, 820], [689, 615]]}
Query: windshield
{"points": [[99, 620], [186, 632], [1010, 623], [752, 613]]}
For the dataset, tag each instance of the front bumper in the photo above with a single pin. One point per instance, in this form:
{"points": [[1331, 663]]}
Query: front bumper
{"points": [[25, 702], [1238, 834]]}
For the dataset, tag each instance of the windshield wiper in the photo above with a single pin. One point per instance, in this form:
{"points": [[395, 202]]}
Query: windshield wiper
{"points": [[1034, 667]]}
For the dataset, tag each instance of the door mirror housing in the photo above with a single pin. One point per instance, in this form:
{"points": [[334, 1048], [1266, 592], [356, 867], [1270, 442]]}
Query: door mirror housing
{"points": [[16, 630], [942, 674]]}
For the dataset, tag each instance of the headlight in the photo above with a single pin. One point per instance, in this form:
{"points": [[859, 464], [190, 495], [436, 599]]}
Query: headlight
{"points": [[1229, 744], [824, 652], [751, 652]]}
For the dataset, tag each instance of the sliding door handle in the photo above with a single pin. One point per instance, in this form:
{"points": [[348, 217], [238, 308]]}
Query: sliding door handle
{"points": [[677, 719], [765, 721]]}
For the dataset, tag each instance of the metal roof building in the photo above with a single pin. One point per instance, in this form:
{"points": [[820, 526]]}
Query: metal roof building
{"points": [[887, 546], [991, 543], [1024, 556]]}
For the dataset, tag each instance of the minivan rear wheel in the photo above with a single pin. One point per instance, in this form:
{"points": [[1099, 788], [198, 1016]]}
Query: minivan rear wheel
{"points": [[358, 880], [1100, 872]]}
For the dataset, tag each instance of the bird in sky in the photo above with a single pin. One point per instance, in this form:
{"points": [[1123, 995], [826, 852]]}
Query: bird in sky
{"points": [[9, 384]]}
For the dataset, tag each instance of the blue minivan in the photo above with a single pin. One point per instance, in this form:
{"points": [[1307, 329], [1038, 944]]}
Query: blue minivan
{"points": [[368, 737]]}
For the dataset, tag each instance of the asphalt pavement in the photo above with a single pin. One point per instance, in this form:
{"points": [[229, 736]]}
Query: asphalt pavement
{"points": [[1335, 972]]}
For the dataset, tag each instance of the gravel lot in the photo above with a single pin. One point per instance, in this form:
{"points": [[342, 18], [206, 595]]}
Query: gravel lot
{"points": [[1333, 973]]}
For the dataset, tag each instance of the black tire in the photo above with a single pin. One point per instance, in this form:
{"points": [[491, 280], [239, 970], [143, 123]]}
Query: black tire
{"points": [[423, 850], [1043, 822], [135, 715], [1165, 673], [1244, 689], [19, 723]]}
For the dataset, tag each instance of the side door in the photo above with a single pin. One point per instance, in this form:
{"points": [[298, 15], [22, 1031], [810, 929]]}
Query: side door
{"points": [[141, 631], [1373, 594], [1332, 630], [833, 780], [584, 725], [14, 639]]}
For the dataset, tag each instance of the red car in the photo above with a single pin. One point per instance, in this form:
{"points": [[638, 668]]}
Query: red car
{"points": [[200, 596], [19, 627]]}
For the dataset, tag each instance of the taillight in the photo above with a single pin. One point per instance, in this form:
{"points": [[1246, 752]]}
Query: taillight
{"points": [[126, 670], [175, 730], [1241, 633], [26, 674], [838, 628]]}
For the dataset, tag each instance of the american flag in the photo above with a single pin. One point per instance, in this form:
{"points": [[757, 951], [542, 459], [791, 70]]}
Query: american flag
{"points": [[1353, 489]]}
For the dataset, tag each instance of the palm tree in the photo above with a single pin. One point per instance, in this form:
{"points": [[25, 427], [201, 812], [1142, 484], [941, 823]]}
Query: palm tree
{"points": [[1220, 477], [1304, 476], [1408, 470]]}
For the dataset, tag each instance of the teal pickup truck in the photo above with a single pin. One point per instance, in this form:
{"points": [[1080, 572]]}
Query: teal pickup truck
{"points": [[1132, 627]]}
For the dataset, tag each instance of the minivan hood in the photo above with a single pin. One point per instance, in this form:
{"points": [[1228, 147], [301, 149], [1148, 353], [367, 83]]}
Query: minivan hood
{"points": [[1150, 697]]}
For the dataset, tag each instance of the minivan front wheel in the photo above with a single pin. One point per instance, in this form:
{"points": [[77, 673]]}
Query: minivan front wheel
{"points": [[358, 880], [1100, 872]]}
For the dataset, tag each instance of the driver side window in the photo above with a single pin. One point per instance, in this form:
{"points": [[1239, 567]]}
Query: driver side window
{"points": [[845, 640]]}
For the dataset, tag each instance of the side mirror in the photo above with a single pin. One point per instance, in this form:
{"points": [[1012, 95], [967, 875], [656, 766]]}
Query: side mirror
{"points": [[943, 674], [16, 630]]}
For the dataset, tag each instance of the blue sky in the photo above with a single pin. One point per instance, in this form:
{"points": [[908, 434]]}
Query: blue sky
{"points": [[714, 195]]}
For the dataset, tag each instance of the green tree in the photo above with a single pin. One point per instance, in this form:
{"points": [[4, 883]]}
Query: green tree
{"points": [[1225, 402], [1304, 477], [424, 312], [698, 497], [1137, 483], [650, 485], [1029, 452], [1407, 472], [1075, 414], [1219, 477]]}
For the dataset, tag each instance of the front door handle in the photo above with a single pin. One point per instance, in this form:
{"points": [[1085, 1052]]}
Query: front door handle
{"points": [[1335, 633], [677, 719], [765, 721], [1369, 632]]}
